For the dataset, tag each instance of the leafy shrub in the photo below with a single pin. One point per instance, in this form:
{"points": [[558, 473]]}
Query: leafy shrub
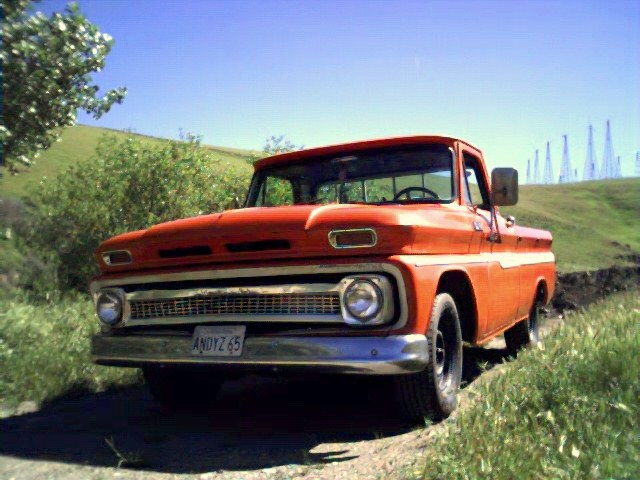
{"points": [[44, 351], [20, 266], [129, 185]]}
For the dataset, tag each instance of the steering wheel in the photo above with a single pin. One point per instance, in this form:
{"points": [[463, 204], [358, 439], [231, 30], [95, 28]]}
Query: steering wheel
{"points": [[406, 191]]}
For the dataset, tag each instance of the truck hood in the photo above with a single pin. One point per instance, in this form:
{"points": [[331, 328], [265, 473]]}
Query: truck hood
{"points": [[267, 233]]}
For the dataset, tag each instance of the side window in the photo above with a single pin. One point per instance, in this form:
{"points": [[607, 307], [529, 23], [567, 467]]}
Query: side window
{"points": [[274, 192], [475, 190]]}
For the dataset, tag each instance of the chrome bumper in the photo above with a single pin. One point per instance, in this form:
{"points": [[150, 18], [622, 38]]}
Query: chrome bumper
{"points": [[389, 355]]}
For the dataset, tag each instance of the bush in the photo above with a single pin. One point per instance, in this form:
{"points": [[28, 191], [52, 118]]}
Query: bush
{"points": [[44, 351], [128, 185], [20, 266]]}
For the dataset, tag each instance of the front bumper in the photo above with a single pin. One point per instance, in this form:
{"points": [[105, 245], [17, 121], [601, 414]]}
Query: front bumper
{"points": [[391, 355]]}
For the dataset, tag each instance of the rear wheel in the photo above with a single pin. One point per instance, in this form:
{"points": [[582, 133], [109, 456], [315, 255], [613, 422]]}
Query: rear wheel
{"points": [[434, 391], [178, 388], [525, 333]]}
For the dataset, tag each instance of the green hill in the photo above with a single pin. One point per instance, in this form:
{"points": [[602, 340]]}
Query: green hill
{"points": [[594, 224], [78, 144]]}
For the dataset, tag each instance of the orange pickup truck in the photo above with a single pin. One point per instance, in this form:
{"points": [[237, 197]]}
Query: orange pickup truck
{"points": [[374, 258]]}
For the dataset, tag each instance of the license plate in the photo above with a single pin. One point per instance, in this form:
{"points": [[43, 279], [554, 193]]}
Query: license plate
{"points": [[219, 341]]}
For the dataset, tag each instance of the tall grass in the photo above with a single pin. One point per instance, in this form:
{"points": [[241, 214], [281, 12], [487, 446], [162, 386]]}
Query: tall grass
{"points": [[44, 351], [568, 411]]}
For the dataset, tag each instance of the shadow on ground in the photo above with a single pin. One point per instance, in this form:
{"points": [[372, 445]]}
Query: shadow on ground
{"points": [[256, 423]]}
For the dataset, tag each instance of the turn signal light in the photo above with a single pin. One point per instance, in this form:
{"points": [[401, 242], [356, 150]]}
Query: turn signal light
{"points": [[117, 257], [353, 238]]}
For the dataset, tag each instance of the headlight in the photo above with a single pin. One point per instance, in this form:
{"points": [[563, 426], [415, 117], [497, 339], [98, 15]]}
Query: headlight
{"points": [[363, 300], [109, 307]]}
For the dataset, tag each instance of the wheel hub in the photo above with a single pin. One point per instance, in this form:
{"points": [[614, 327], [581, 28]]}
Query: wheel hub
{"points": [[442, 367]]}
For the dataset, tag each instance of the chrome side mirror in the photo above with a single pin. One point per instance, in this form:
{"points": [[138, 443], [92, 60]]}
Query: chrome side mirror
{"points": [[504, 186]]}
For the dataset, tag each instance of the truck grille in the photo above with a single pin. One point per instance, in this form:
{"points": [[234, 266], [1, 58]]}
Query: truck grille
{"points": [[238, 304]]}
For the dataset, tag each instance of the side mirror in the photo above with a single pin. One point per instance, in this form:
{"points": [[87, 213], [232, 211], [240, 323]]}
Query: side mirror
{"points": [[504, 186]]}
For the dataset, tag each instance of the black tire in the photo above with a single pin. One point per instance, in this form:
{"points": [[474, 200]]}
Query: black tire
{"points": [[175, 388], [433, 392], [525, 333]]}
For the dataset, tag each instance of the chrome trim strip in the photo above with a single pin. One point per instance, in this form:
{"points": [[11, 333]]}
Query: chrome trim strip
{"points": [[390, 355], [105, 257], [257, 290], [505, 259], [234, 318], [332, 238], [348, 269]]}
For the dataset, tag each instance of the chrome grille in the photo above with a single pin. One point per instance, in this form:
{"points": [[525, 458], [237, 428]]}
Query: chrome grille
{"points": [[238, 304]]}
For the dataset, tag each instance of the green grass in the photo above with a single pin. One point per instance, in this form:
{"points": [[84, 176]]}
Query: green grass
{"points": [[568, 411], [44, 351], [591, 222], [78, 144]]}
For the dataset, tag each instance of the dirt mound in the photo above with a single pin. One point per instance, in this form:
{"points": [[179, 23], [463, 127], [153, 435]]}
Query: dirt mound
{"points": [[578, 289]]}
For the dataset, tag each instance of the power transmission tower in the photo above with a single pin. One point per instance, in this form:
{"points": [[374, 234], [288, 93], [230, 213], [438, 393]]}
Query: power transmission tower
{"points": [[548, 168], [609, 169], [590, 170], [638, 164], [536, 169], [528, 170], [566, 172]]}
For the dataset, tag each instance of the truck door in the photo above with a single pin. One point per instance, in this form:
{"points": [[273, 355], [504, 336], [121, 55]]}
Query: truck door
{"points": [[503, 278]]}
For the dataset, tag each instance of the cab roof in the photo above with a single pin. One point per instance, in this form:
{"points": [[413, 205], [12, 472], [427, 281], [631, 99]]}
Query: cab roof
{"points": [[343, 148]]}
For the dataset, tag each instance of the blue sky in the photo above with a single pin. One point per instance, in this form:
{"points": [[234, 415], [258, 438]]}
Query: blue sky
{"points": [[504, 75]]}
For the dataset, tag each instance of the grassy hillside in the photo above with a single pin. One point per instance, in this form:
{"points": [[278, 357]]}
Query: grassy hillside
{"points": [[593, 223], [78, 145]]}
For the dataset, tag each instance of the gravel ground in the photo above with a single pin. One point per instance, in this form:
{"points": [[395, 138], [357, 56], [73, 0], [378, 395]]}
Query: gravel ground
{"points": [[259, 428]]}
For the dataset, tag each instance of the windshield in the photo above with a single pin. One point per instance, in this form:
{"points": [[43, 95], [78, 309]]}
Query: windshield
{"points": [[422, 173]]}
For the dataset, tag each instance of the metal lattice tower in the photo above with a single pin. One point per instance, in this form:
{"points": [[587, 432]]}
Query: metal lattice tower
{"points": [[638, 164], [548, 168], [609, 165], [536, 169], [528, 170], [590, 170], [566, 172]]}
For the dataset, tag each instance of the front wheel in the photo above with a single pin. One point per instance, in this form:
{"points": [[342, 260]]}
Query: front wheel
{"points": [[434, 391]]}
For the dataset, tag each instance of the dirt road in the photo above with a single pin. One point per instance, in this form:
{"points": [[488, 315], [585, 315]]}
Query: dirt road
{"points": [[258, 428]]}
